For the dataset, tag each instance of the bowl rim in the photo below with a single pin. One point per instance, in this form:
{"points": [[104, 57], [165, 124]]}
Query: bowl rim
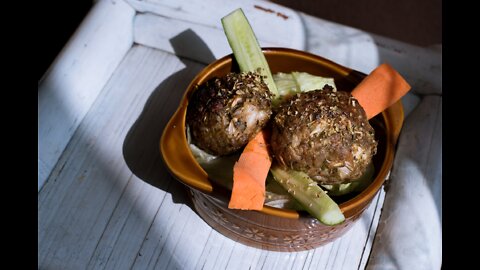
{"points": [[197, 178]]}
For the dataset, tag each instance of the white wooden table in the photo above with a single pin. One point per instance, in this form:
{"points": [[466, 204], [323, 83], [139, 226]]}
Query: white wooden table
{"points": [[106, 201]]}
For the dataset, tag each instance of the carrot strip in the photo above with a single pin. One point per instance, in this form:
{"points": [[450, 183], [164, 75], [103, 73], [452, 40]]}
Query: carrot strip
{"points": [[250, 173], [380, 89]]}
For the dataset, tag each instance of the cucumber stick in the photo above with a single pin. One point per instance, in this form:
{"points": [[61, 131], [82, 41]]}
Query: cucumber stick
{"points": [[309, 195], [246, 49], [355, 186]]}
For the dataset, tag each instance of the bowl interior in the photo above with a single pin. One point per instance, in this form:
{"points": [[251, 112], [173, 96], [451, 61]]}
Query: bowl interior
{"points": [[181, 163]]}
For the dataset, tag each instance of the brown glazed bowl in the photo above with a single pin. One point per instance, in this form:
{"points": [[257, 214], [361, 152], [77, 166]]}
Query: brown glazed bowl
{"points": [[273, 228]]}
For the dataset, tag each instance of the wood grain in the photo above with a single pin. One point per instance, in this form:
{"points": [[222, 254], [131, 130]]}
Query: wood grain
{"points": [[285, 27], [77, 76]]}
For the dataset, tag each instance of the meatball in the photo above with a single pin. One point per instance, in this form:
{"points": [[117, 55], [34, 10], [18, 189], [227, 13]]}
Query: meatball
{"points": [[225, 113], [324, 133]]}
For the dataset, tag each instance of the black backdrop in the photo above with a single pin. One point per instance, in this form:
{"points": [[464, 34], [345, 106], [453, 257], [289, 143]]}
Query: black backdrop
{"points": [[58, 20]]}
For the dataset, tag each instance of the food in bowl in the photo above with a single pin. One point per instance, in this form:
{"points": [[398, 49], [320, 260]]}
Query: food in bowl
{"points": [[280, 224], [275, 225], [320, 133]]}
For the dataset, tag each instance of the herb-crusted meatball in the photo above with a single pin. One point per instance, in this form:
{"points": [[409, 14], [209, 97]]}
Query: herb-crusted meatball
{"points": [[324, 133], [225, 113]]}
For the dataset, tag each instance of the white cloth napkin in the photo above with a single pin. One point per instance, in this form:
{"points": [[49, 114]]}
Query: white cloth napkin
{"points": [[409, 232]]}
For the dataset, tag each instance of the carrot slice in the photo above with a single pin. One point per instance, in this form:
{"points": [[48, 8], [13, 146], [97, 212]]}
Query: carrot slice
{"points": [[250, 173], [380, 89]]}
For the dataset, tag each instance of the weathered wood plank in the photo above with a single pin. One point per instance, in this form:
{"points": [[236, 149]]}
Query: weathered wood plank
{"points": [[165, 33], [76, 77], [371, 232], [217, 248], [76, 207], [134, 227], [272, 23]]}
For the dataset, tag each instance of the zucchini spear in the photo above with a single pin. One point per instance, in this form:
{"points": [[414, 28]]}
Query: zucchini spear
{"points": [[246, 49], [309, 195]]}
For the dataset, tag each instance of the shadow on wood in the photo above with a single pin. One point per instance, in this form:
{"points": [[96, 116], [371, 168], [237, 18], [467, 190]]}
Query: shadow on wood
{"points": [[141, 146]]}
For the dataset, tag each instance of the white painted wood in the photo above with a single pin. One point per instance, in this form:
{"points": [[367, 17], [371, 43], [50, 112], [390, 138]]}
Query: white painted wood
{"points": [[93, 175], [74, 80], [194, 41], [372, 230], [204, 18]]}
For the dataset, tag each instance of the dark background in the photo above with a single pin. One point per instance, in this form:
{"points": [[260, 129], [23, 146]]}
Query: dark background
{"points": [[411, 21], [58, 20]]}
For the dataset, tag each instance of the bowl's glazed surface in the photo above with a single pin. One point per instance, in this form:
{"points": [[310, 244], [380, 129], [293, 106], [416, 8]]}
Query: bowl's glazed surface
{"points": [[273, 228]]}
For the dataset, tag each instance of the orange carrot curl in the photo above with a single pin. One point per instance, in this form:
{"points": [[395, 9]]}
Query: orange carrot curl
{"points": [[250, 173], [380, 89]]}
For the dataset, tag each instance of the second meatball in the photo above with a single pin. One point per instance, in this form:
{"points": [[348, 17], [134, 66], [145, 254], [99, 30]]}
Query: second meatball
{"points": [[325, 134]]}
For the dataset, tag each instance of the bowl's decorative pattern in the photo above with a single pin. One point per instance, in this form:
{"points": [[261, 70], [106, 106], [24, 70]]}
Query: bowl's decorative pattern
{"points": [[267, 232]]}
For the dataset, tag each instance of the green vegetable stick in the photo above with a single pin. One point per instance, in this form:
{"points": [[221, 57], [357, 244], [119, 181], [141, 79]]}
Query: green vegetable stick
{"points": [[309, 195], [246, 49]]}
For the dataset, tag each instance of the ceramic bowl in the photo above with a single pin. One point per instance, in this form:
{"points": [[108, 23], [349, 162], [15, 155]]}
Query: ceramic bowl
{"points": [[274, 228]]}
